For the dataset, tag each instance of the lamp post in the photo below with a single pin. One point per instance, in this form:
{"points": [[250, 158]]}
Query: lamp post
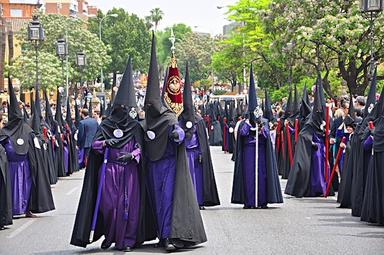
{"points": [[372, 8], [62, 53], [100, 37], [36, 35], [81, 61]]}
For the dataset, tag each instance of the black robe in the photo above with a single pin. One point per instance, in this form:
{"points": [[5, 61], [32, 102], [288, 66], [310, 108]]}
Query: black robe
{"points": [[41, 195], [210, 194], [373, 202], [274, 194], [5, 191], [84, 216]]}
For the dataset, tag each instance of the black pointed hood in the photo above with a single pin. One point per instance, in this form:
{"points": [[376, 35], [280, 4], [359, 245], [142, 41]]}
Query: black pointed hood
{"points": [[188, 113], [48, 111], [295, 107], [288, 108], [16, 129], [158, 118], [85, 106], [126, 94], [77, 115], [305, 107], [25, 114], [13, 108], [68, 116], [252, 99], [102, 108], [371, 99], [317, 116], [32, 102], [268, 113], [36, 119], [59, 114], [90, 108]]}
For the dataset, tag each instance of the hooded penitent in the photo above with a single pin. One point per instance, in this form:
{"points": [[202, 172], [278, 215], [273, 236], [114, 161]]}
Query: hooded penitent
{"points": [[123, 126], [306, 178], [173, 97], [244, 181], [193, 124], [268, 114]]}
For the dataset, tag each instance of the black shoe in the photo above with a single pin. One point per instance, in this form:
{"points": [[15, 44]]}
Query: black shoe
{"points": [[202, 207], [253, 207], [105, 245], [264, 207], [124, 249], [247, 207], [169, 247]]}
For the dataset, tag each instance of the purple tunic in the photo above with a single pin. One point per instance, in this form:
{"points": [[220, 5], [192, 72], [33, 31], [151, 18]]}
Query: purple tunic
{"points": [[195, 167], [249, 157], [161, 182], [21, 179], [120, 199], [340, 134], [65, 158], [80, 154], [318, 184]]}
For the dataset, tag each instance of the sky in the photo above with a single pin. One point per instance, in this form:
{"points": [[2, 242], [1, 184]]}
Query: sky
{"points": [[200, 15]]}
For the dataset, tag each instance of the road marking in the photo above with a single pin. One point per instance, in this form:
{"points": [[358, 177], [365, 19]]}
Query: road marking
{"points": [[71, 191], [21, 228]]}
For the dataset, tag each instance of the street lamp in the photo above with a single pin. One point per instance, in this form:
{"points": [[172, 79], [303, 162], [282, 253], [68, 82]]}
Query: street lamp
{"points": [[115, 15], [62, 52], [372, 8], [81, 61], [288, 49], [36, 35]]}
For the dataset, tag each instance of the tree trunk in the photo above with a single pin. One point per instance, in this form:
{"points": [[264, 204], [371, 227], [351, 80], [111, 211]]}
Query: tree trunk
{"points": [[113, 84]]}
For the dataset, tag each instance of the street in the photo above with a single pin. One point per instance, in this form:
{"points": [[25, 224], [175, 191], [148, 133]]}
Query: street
{"points": [[299, 226]]}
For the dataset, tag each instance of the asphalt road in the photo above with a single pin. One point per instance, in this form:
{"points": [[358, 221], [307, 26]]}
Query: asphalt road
{"points": [[299, 226]]}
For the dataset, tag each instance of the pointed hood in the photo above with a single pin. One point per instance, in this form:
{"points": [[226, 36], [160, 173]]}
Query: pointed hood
{"points": [[188, 114], [295, 106], [25, 114], [268, 113], [317, 116], [16, 129], [252, 99], [305, 107], [13, 108], [48, 111], [158, 119], [126, 94], [102, 108], [85, 106], [289, 106], [68, 116], [77, 115], [59, 114], [371, 99], [36, 120]]}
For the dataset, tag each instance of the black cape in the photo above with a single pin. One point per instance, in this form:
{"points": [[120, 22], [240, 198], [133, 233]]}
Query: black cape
{"points": [[373, 203], [210, 194], [274, 194], [5, 191]]}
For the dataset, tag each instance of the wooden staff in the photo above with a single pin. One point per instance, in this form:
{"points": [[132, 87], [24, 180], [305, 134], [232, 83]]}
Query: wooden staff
{"points": [[334, 167]]}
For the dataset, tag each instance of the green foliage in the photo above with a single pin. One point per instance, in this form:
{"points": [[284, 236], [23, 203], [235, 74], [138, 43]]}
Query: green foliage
{"points": [[164, 44], [197, 49], [125, 35], [78, 38]]}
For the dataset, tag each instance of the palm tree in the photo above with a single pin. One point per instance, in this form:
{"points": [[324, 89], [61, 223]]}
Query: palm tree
{"points": [[156, 15]]}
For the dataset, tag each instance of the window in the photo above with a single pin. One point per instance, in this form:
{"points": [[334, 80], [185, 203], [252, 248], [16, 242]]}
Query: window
{"points": [[16, 13]]}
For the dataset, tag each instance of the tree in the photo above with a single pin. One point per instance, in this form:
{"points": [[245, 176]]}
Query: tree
{"points": [[197, 49], [125, 35], [78, 38], [156, 15]]}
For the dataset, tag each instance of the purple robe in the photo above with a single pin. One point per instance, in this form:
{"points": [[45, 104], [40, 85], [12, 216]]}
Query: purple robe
{"points": [[195, 167], [161, 182], [120, 199], [21, 179], [249, 157], [66, 158], [80, 154], [318, 183], [340, 134]]}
